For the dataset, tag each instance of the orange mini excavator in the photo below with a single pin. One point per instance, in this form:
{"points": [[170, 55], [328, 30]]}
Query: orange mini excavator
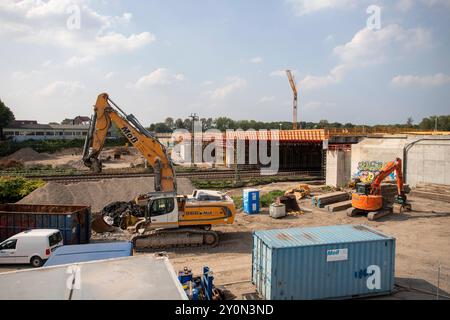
{"points": [[368, 198]]}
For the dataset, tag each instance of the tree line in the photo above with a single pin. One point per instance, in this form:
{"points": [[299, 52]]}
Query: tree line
{"points": [[441, 123]]}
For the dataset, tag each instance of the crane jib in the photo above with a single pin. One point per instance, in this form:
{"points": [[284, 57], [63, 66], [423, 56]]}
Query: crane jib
{"points": [[127, 132]]}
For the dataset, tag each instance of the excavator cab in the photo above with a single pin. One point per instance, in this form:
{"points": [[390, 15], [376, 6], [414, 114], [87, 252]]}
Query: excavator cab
{"points": [[363, 188]]}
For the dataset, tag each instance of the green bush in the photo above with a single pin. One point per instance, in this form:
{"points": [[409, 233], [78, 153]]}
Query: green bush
{"points": [[237, 202], [269, 198], [15, 189]]}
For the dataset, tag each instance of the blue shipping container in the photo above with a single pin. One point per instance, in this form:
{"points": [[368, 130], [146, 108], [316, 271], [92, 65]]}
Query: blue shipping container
{"points": [[250, 201], [89, 252], [74, 222], [334, 262]]}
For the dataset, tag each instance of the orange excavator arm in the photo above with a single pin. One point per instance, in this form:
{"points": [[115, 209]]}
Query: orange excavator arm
{"points": [[384, 173], [107, 112]]}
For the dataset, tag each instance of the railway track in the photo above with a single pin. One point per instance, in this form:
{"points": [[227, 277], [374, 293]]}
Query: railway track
{"points": [[200, 175]]}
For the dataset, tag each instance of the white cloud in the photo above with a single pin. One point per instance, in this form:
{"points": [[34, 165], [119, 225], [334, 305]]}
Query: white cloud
{"points": [[278, 73], [435, 80], [303, 7], [44, 23], [406, 5], [256, 60], [267, 99], [21, 76], [207, 83], [161, 76], [61, 88], [110, 75], [329, 39], [234, 83], [281, 73], [369, 47], [79, 61], [316, 82]]}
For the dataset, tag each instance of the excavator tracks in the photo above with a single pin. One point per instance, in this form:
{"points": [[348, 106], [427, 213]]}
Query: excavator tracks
{"points": [[175, 238]]}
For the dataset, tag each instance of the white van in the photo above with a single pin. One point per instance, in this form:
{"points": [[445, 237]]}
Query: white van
{"points": [[32, 246]]}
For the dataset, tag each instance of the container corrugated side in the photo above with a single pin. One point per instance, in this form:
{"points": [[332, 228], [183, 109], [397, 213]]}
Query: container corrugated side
{"points": [[304, 272], [72, 221]]}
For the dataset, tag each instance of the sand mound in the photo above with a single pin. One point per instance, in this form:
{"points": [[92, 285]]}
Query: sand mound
{"points": [[77, 164], [97, 194], [28, 154]]}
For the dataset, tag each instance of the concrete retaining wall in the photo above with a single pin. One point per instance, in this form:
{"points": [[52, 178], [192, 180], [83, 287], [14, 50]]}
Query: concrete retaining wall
{"points": [[429, 162], [371, 155], [338, 168], [426, 161]]}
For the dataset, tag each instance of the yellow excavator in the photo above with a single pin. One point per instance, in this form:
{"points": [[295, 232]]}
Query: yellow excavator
{"points": [[170, 219]]}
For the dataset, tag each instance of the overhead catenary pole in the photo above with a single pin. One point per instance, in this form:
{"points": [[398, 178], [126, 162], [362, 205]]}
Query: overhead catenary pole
{"points": [[194, 118], [295, 102]]}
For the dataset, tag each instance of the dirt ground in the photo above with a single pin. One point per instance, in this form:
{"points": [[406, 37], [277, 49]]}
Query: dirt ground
{"points": [[422, 245], [71, 158]]}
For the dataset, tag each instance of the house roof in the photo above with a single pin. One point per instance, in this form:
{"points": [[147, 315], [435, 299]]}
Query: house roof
{"points": [[82, 118]]}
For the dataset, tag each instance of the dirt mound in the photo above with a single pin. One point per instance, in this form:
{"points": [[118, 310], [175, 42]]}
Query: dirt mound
{"points": [[77, 164], [8, 164], [97, 194], [28, 154]]}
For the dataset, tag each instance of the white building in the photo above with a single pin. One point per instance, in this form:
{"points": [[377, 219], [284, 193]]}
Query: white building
{"points": [[22, 130]]}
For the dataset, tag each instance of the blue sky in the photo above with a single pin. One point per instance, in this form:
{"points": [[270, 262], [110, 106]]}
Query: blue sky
{"points": [[224, 58]]}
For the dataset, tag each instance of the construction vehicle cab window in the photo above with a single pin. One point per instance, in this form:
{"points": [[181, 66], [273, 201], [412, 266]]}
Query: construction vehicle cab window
{"points": [[203, 150], [161, 206]]}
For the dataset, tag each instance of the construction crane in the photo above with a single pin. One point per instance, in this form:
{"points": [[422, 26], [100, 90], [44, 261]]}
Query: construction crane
{"points": [[295, 92], [368, 198], [170, 219]]}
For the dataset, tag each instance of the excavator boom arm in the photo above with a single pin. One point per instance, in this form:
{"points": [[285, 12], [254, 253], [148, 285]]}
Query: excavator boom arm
{"points": [[148, 145], [385, 172]]}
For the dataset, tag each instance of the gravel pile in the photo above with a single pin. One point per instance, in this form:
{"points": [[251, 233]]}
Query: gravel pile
{"points": [[28, 154], [97, 194]]}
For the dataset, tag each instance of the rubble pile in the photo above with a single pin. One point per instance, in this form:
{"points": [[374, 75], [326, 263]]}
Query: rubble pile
{"points": [[27, 154]]}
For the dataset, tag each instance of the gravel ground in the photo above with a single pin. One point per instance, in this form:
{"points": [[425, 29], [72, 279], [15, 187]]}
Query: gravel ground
{"points": [[423, 243]]}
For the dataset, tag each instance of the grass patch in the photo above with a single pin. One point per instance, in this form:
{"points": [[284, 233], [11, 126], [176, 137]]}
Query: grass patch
{"points": [[230, 184], [238, 202], [269, 198]]}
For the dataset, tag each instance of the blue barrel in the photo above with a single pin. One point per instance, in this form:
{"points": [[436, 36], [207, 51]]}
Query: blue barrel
{"points": [[251, 201]]}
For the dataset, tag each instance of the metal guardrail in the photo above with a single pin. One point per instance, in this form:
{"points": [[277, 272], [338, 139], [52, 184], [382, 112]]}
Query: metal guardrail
{"points": [[380, 131]]}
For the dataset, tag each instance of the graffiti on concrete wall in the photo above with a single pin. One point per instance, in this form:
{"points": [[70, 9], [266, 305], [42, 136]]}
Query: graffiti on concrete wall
{"points": [[368, 170]]}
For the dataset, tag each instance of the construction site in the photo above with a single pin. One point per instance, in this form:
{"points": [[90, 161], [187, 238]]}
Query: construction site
{"points": [[313, 187], [202, 209]]}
